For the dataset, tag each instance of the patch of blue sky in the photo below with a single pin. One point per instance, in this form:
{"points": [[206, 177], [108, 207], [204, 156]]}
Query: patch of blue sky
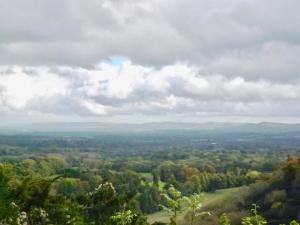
{"points": [[117, 61]]}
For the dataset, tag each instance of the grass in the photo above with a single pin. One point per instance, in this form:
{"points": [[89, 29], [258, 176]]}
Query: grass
{"points": [[146, 175], [221, 195], [211, 199], [164, 216]]}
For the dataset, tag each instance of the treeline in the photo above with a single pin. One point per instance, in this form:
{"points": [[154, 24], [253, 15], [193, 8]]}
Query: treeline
{"points": [[277, 194], [31, 201], [144, 144], [79, 184], [145, 180]]}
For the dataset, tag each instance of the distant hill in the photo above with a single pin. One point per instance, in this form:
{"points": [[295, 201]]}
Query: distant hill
{"points": [[210, 127]]}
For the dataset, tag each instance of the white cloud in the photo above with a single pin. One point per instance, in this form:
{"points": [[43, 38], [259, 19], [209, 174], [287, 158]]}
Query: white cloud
{"points": [[20, 87], [191, 57], [130, 89]]}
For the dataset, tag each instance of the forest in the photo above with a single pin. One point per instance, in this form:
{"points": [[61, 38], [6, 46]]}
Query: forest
{"points": [[138, 179]]}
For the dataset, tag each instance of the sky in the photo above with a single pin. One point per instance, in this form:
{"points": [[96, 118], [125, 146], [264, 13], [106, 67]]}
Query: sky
{"points": [[149, 60]]}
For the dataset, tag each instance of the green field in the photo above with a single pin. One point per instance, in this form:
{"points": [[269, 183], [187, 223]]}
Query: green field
{"points": [[210, 200], [147, 175], [219, 196]]}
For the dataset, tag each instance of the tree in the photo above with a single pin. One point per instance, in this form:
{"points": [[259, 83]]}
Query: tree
{"points": [[195, 203], [123, 218], [6, 174], [33, 192], [155, 175], [255, 219], [149, 198], [172, 200], [102, 204]]}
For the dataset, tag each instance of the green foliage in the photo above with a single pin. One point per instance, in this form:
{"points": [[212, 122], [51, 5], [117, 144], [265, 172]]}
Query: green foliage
{"points": [[255, 219], [173, 201], [123, 218], [102, 204], [6, 179], [33, 192], [224, 219], [194, 204], [62, 210], [294, 222], [107, 181], [150, 198]]}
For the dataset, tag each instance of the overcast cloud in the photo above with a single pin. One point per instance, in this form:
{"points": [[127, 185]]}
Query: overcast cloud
{"points": [[103, 58]]}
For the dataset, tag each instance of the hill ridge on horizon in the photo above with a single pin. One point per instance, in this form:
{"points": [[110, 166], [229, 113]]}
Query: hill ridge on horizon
{"points": [[267, 127]]}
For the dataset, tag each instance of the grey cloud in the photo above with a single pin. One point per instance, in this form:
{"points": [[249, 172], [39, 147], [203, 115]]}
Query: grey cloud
{"points": [[230, 38], [193, 57], [275, 61]]}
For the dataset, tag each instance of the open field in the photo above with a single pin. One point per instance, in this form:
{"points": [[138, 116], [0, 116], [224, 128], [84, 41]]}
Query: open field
{"points": [[210, 199], [219, 196]]}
